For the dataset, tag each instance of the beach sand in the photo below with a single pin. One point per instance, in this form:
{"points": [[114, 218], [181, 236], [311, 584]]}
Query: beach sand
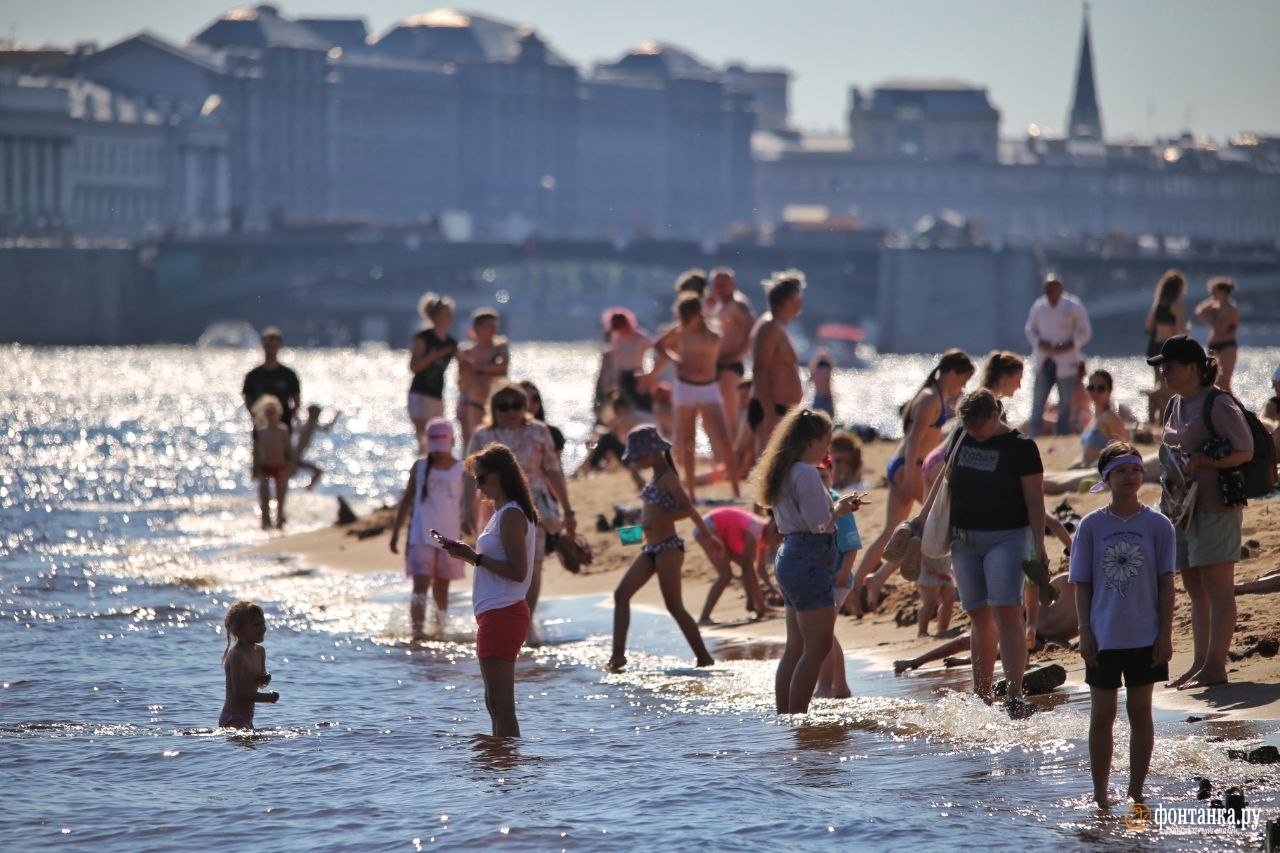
{"points": [[1254, 692]]}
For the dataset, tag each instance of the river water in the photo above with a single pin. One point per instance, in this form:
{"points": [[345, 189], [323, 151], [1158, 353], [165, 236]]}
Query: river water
{"points": [[125, 507]]}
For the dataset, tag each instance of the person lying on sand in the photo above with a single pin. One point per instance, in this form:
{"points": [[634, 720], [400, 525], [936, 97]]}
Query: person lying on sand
{"points": [[1055, 623]]}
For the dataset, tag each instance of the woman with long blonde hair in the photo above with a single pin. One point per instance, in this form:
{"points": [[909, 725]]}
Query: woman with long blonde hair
{"points": [[789, 483]]}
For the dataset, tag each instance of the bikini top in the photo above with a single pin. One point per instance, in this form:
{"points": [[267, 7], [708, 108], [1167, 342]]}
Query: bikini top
{"points": [[651, 494], [1164, 314], [942, 418], [1093, 437]]}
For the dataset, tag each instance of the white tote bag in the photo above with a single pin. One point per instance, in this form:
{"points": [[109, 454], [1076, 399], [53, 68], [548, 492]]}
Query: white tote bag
{"points": [[935, 541]]}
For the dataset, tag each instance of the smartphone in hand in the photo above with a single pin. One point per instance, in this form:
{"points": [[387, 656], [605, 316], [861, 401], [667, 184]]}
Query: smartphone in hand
{"points": [[442, 539]]}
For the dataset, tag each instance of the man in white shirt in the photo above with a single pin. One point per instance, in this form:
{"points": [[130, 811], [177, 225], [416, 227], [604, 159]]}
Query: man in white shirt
{"points": [[1057, 327]]}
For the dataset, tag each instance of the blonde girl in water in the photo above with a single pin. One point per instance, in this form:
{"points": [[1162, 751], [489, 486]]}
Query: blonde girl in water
{"points": [[808, 561], [245, 665]]}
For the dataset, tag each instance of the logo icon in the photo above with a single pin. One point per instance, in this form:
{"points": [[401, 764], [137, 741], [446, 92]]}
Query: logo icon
{"points": [[1138, 817]]}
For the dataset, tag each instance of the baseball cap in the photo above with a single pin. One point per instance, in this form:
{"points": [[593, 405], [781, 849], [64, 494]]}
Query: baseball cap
{"points": [[439, 435], [1181, 349]]}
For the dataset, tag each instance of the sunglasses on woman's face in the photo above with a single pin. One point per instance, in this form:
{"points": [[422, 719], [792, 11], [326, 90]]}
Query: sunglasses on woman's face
{"points": [[513, 406], [1098, 389], [480, 475]]}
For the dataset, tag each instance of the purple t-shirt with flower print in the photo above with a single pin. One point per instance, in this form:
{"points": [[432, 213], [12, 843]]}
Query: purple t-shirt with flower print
{"points": [[1122, 559]]}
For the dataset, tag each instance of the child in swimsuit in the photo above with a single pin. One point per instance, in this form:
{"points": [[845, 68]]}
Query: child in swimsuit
{"points": [[272, 456], [245, 665], [665, 503]]}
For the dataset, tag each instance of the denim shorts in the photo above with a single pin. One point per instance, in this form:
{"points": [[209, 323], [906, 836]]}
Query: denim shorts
{"points": [[806, 570], [988, 566]]}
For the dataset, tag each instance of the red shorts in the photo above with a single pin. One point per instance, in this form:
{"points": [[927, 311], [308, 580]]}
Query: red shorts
{"points": [[271, 471], [501, 632]]}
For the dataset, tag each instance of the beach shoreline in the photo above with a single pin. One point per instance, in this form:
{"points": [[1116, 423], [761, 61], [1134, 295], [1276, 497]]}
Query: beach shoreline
{"points": [[1253, 694]]}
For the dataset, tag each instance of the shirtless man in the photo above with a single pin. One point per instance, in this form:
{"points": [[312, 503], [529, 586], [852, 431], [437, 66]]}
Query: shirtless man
{"points": [[480, 361], [732, 318], [694, 348], [776, 385]]}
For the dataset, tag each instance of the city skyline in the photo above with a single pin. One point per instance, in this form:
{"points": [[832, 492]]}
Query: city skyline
{"points": [[1027, 66]]}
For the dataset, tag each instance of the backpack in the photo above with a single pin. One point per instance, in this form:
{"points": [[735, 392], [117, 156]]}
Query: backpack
{"points": [[1260, 471]]}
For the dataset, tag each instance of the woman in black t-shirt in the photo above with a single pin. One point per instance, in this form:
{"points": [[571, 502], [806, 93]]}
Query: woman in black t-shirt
{"points": [[429, 355], [997, 521]]}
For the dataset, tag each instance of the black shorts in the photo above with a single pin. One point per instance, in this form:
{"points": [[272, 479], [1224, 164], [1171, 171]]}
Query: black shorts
{"points": [[735, 366], [1134, 664], [755, 412]]}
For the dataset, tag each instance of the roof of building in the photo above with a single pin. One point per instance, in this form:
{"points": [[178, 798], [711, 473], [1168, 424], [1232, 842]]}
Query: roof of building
{"points": [[258, 27], [447, 35], [196, 54], [658, 58], [934, 98], [346, 33]]}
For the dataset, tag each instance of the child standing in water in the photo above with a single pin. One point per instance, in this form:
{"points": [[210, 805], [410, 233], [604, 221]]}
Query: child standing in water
{"points": [[832, 682], [272, 456], [245, 665], [665, 503], [1122, 570], [432, 500]]}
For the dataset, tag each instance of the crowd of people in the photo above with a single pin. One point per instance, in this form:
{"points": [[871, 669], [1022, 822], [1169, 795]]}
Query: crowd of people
{"points": [[965, 516]]}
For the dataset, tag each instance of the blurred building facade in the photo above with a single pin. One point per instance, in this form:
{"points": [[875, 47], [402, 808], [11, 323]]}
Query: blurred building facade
{"points": [[918, 150], [478, 127], [446, 113]]}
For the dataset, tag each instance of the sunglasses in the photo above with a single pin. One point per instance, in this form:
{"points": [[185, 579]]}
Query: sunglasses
{"points": [[513, 406], [1098, 388], [480, 475]]}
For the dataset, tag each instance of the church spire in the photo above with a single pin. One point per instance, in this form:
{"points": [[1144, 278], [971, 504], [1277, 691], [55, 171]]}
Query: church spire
{"points": [[1085, 121]]}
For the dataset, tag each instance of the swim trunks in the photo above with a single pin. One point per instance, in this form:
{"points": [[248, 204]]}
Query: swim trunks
{"points": [[232, 720], [696, 393], [736, 366], [272, 471], [825, 403], [755, 412]]}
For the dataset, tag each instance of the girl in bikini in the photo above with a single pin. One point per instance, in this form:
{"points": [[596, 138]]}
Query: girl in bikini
{"points": [[665, 503], [1223, 316], [923, 418]]}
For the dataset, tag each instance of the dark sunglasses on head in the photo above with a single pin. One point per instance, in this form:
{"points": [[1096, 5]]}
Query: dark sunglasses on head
{"points": [[1098, 388], [513, 406]]}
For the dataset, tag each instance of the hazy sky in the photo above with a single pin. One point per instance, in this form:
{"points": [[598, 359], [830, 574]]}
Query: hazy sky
{"points": [[1162, 65]]}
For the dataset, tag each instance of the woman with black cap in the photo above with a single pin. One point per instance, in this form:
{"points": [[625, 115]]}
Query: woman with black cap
{"points": [[1208, 438]]}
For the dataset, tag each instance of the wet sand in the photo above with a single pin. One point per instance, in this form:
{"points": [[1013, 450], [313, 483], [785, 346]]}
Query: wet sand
{"points": [[1253, 694]]}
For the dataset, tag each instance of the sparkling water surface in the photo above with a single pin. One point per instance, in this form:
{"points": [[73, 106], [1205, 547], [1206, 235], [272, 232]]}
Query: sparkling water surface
{"points": [[125, 505]]}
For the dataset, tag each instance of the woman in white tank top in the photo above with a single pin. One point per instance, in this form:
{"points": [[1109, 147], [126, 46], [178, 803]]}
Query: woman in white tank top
{"points": [[503, 558]]}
